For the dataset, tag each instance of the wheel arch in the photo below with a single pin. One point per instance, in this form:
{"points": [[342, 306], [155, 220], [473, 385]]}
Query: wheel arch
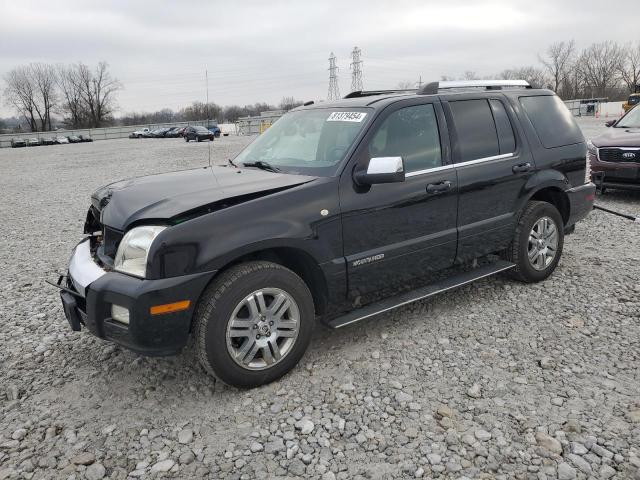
{"points": [[549, 186], [556, 197], [296, 260]]}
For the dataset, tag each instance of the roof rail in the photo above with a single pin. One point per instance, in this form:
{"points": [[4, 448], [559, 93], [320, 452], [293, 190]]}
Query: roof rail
{"points": [[369, 93], [435, 87]]}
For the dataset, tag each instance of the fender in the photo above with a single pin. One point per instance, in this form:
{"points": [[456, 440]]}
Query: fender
{"points": [[542, 179]]}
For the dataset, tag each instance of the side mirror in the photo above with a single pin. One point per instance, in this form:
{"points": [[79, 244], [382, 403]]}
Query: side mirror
{"points": [[381, 170], [610, 123]]}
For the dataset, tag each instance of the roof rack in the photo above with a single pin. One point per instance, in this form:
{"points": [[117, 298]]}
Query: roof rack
{"points": [[435, 87], [369, 93]]}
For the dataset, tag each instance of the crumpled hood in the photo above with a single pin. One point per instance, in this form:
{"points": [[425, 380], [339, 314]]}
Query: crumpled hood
{"points": [[618, 137], [175, 194]]}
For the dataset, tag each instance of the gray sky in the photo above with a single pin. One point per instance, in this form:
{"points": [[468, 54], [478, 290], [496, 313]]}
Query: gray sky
{"points": [[264, 50]]}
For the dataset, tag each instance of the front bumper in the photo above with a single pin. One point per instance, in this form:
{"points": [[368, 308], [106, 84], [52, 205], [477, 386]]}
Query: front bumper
{"points": [[90, 291], [623, 175], [581, 200]]}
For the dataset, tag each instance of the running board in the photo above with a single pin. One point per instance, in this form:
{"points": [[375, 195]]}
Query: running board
{"points": [[420, 294]]}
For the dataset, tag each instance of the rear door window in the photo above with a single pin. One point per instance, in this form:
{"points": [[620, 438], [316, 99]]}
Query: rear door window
{"points": [[475, 128], [506, 138], [551, 120]]}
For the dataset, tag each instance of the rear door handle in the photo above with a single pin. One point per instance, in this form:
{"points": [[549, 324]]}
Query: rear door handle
{"points": [[441, 187], [523, 167]]}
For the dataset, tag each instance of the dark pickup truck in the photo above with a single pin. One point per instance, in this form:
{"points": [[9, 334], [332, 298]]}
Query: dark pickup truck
{"points": [[328, 216]]}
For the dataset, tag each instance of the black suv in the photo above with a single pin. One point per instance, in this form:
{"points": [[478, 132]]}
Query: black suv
{"points": [[327, 216]]}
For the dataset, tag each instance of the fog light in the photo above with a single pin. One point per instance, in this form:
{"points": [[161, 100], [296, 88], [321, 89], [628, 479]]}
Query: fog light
{"points": [[120, 314]]}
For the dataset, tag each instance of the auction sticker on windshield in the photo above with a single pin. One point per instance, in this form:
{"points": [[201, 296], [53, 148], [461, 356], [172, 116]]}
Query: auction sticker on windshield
{"points": [[346, 117]]}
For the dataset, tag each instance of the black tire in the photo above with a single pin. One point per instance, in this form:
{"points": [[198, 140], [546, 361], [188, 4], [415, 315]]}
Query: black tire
{"points": [[518, 251], [217, 306]]}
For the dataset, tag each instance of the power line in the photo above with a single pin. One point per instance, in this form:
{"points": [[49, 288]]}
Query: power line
{"points": [[334, 90], [356, 70]]}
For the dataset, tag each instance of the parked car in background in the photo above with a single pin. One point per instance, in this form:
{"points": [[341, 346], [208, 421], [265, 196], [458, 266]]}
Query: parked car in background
{"points": [[18, 142], [33, 142], [74, 139], [60, 139], [47, 141], [615, 155], [198, 134], [159, 132], [85, 138], [215, 129], [139, 133], [173, 132], [632, 101]]}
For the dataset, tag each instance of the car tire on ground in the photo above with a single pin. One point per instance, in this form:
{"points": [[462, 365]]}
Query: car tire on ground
{"points": [[253, 324], [537, 243]]}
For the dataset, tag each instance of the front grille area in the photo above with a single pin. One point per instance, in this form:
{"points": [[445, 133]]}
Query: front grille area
{"points": [[619, 155]]}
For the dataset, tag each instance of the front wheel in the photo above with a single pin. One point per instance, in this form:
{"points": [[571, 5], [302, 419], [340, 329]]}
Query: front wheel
{"points": [[253, 324], [537, 243]]}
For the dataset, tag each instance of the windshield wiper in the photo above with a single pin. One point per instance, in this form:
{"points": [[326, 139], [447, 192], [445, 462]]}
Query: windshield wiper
{"points": [[261, 165], [231, 162]]}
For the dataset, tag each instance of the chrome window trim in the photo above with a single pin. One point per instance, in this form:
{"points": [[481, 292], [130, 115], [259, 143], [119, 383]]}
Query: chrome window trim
{"points": [[462, 164], [428, 170], [485, 159]]}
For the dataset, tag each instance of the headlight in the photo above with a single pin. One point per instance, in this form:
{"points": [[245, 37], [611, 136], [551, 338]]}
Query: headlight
{"points": [[591, 148], [131, 256]]}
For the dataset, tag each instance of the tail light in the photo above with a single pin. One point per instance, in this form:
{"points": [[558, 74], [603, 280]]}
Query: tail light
{"points": [[592, 155]]}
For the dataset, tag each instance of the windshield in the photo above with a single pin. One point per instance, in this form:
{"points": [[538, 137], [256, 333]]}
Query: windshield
{"points": [[310, 142], [631, 119]]}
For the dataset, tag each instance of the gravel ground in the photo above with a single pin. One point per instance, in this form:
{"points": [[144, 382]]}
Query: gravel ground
{"points": [[495, 380]]}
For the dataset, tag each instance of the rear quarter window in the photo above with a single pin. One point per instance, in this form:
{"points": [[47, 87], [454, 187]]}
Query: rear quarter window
{"points": [[551, 120]]}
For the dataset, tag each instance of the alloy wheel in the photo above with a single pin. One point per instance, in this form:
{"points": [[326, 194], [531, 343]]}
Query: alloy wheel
{"points": [[263, 329], [543, 243]]}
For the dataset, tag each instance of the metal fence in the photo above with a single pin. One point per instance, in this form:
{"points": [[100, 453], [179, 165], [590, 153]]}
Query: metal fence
{"points": [[107, 133], [256, 125], [584, 107]]}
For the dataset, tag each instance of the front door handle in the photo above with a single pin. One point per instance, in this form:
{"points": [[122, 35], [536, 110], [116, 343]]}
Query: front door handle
{"points": [[523, 167], [441, 187]]}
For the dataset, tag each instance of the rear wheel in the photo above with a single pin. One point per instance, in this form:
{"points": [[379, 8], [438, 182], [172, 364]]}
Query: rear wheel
{"points": [[253, 324], [537, 243]]}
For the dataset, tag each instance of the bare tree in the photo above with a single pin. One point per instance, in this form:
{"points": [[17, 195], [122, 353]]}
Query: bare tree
{"points": [[557, 61], [405, 85], [30, 89], [98, 90], [44, 81], [201, 111], [630, 67], [535, 76], [600, 64], [20, 94], [72, 104], [287, 103], [470, 75]]}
